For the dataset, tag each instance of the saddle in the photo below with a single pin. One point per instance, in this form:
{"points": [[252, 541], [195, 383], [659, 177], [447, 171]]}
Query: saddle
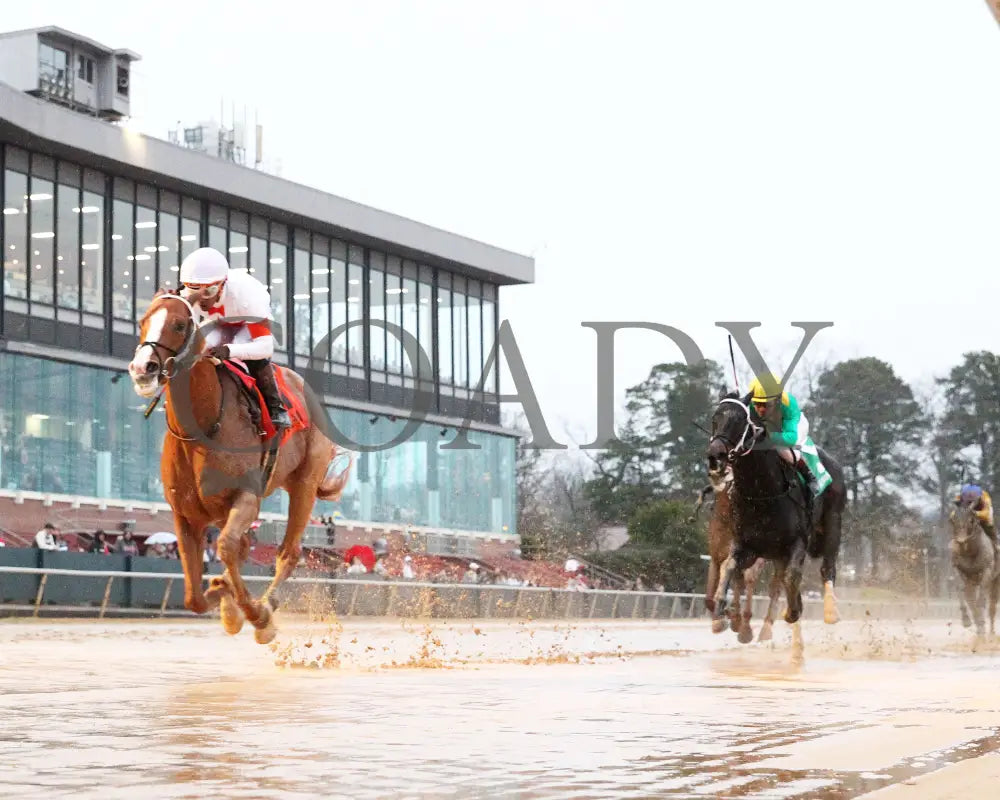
{"points": [[259, 415]]}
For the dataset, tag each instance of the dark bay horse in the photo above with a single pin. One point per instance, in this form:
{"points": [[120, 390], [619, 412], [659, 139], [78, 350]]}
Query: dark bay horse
{"points": [[769, 509], [721, 531], [975, 559], [212, 445]]}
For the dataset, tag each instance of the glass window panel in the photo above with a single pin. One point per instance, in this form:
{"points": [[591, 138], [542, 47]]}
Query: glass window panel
{"points": [[355, 308], [122, 240], [190, 228], [15, 235], [425, 325], [70, 214], [92, 252], [394, 315], [411, 322], [460, 333], [217, 238], [218, 222], [338, 300], [41, 221], [489, 338], [376, 293], [65, 428], [144, 259], [258, 258], [168, 251], [301, 297], [320, 290], [277, 269], [238, 249], [445, 355], [475, 335]]}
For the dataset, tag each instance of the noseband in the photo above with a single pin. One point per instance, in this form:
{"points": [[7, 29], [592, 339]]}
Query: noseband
{"points": [[740, 446], [166, 365]]}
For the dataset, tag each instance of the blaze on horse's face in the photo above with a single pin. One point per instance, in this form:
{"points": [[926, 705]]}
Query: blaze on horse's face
{"points": [[730, 427], [164, 332]]}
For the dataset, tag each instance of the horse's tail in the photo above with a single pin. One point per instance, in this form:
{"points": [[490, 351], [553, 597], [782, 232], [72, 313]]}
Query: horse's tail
{"points": [[332, 487]]}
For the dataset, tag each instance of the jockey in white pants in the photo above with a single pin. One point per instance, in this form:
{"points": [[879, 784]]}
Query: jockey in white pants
{"points": [[217, 292]]}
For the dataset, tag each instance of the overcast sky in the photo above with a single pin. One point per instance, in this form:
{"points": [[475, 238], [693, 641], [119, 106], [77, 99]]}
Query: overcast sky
{"points": [[672, 161]]}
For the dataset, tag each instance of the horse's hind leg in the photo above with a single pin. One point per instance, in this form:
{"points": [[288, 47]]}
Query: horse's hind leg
{"points": [[831, 525]]}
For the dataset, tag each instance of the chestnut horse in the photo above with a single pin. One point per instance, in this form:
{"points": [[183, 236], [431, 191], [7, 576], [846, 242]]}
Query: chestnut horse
{"points": [[720, 542], [211, 463]]}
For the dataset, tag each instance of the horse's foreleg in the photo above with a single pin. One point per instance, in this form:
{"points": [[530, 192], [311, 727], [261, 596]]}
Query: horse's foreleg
{"points": [[232, 551], [750, 577], [728, 568], [980, 588], [191, 547], [739, 587], [712, 584], [793, 582], [774, 591], [301, 499]]}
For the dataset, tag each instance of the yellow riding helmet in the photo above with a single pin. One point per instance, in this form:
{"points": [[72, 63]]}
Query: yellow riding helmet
{"points": [[766, 388]]}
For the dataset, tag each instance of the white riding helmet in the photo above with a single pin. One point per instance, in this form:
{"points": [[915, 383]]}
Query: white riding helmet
{"points": [[204, 265]]}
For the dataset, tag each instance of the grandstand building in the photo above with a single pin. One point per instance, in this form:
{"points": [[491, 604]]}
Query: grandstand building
{"points": [[96, 217]]}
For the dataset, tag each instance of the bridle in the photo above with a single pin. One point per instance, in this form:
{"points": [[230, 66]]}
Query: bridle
{"points": [[740, 447], [166, 365]]}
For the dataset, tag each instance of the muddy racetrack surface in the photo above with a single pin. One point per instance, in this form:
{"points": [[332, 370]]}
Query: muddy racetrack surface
{"points": [[463, 709]]}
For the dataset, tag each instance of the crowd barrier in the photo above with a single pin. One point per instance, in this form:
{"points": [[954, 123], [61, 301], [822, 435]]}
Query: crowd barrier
{"points": [[139, 590]]}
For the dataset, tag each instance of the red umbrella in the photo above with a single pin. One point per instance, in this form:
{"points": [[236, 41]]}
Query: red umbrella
{"points": [[365, 553]]}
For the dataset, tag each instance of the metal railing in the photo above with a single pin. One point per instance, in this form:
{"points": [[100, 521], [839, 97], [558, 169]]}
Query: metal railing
{"points": [[399, 598]]}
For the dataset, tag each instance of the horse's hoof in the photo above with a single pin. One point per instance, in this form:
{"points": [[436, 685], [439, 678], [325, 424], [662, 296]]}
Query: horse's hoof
{"points": [[765, 633], [265, 635], [745, 635], [232, 617], [966, 622], [718, 625], [791, 617], [735, 624]]}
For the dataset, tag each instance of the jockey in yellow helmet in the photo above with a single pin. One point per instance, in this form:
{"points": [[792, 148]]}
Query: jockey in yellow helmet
{"points": [[787, 427], [979, 500]]}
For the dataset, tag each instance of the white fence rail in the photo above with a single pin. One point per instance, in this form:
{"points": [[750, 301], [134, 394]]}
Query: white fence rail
{"points": [[398, 598]]}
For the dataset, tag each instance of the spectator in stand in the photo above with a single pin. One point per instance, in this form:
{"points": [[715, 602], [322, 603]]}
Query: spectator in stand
{"points": [[471, 574], [100, 544], [45, 539], [408, 568], [172, 551], [356, 568], [126, 545]]}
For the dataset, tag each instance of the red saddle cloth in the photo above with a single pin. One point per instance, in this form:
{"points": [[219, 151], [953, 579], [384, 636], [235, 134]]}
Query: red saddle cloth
{"points": [[294, 406]]}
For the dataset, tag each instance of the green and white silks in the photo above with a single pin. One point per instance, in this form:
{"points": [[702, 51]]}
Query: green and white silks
{"points": [[794, 433]]}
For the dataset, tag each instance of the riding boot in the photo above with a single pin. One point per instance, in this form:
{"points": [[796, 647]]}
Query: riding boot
{"points": [[263, 372], [810, 490]]}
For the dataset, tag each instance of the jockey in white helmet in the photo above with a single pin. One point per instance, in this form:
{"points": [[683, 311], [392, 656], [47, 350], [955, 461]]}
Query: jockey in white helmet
{"points": [[240, 307]]}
